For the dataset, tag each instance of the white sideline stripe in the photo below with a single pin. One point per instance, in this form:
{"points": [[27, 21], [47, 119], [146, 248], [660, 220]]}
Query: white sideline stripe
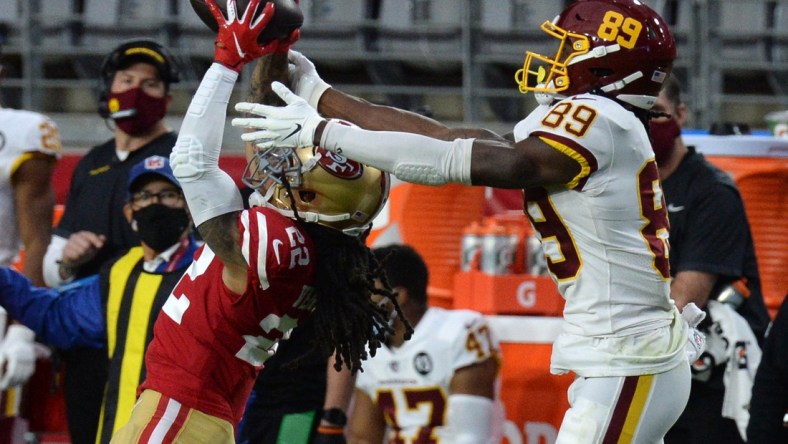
{"points": [[165, 424], [526, 329]]}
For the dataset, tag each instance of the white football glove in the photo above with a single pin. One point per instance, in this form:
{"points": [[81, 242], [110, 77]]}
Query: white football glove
{"points": [[291, 126], [696, 341], [306, 83], [17, 356]]}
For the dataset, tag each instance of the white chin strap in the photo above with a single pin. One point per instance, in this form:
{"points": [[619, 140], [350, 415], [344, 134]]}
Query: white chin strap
{"points": [[640, 101], [644, 102], [595, 53]]}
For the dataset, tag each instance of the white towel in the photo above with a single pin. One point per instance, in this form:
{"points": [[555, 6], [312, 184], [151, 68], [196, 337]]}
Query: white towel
{"points": [[744, 355]]}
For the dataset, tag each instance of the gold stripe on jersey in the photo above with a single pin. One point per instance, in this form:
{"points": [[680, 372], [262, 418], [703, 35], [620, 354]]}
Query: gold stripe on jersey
{"points": [[19, 161], [119, 276], [636, 408], [585, 167], [136, 340], [11, 401]]}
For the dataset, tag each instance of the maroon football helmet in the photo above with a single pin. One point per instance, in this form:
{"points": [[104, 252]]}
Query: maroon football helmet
{"points": [[618, 48]]}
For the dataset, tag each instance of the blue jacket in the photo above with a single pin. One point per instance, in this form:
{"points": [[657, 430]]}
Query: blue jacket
{"points": [[66, 317]]}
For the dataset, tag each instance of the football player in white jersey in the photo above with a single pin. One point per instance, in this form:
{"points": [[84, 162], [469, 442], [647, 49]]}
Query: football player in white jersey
{"points": [[442, 383], [592, 194], [29, 149]]}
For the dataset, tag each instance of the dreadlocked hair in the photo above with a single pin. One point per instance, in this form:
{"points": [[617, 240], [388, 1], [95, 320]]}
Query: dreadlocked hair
{"points": [[347, 322]]}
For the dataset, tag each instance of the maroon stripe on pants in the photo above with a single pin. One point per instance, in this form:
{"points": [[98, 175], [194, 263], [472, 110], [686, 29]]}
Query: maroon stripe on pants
{"points": [[620, 411]]}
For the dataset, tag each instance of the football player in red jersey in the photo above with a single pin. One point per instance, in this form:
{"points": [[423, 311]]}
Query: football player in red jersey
{"points": [[296, 251], [592, 195]]}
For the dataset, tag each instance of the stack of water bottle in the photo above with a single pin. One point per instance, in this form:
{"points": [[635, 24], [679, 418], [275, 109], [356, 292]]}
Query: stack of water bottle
{"points": [[502, 244]]}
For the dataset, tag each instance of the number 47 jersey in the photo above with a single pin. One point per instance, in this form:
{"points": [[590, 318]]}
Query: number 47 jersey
{"points": [[410, 384]]}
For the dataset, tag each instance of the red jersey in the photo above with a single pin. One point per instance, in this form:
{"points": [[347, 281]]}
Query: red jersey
{"points": [[210, 343]]}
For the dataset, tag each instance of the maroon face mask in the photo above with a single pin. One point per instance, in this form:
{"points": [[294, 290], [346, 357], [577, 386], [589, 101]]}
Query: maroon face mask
{"points": [[135, 112], [663, 138]]}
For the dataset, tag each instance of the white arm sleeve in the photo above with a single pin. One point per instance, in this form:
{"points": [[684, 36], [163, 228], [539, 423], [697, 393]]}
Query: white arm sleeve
{"points": [[469, 419], [411, 157], [51, 262], [209, 191]]}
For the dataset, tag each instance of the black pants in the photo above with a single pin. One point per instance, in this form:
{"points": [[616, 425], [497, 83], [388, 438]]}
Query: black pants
{"points": [[83, 389], [702, 421], [293, 428]]}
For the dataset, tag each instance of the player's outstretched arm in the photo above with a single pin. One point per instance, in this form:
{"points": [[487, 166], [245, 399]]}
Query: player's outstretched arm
{"points": [[367, 115], [333, 103], [211, 194], [411, 157]]}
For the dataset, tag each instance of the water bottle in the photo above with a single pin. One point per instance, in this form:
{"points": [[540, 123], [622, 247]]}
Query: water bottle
{"points": [[470, 247], [497, 249]]}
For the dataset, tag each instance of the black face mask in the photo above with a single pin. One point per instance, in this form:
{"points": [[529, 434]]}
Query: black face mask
{"points": [[160, 226]]}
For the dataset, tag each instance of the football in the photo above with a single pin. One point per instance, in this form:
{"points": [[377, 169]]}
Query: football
{"points": [[287, 17]]}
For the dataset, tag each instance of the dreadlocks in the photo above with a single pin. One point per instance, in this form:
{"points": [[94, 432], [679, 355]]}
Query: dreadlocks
{"points": [[346, 319]]}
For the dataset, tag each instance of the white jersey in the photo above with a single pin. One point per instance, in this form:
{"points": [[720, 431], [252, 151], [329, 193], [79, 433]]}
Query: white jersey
{"points": [[605, 239], [410, 384], [22, 134]]}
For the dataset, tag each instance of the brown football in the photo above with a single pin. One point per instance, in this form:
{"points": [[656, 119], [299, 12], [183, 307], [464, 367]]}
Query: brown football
{"points": [[287, 17]]}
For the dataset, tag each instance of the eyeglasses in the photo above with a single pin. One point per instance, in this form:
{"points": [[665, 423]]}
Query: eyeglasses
{"points": [[165, 197]]}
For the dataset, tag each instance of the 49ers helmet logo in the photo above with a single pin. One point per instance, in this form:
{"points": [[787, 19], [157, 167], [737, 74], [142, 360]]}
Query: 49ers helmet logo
{"points": [[339, 165]]}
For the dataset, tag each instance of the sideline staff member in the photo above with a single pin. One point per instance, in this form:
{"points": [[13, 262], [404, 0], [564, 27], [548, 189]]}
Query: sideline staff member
{"points": [[135, 82]]}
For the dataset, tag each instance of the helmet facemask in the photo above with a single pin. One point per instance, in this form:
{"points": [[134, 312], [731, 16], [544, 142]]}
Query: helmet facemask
{"points": [[273, 166], [543, 74]]}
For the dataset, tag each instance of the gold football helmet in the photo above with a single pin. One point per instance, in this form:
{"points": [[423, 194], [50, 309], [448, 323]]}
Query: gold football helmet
{"points": [[328, 188]]}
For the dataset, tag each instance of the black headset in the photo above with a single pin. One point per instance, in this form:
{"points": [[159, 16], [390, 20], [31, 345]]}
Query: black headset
{"points": [[169, 72]]}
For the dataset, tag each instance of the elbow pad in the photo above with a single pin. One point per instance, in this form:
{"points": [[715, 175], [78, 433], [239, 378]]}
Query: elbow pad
{"points": [[209, 191]]}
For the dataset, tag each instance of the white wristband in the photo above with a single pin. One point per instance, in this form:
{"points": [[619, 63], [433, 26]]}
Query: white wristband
{"points": [[469, 419], [51, 265], [305, 80]]}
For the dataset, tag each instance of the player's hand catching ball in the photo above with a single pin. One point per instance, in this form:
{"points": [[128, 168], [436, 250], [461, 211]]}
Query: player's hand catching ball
{"points": [[236, 42]]}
